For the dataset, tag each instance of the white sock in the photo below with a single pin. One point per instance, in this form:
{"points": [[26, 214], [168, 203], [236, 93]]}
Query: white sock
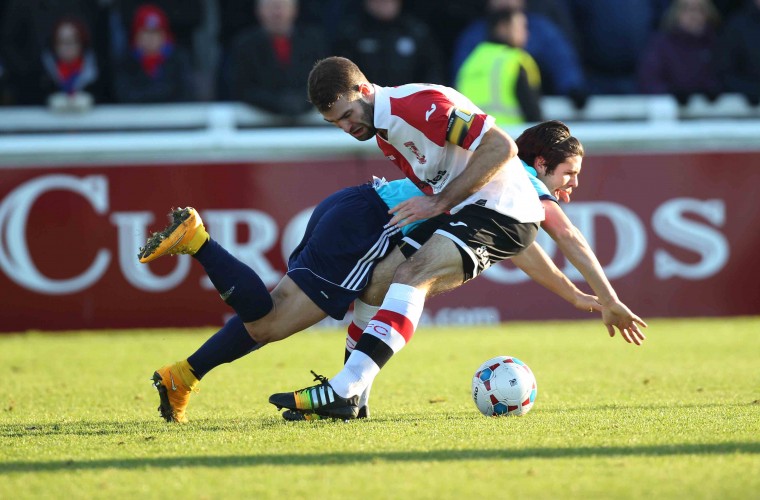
{"points": [[364, 396], [363, 313], [357, 374]]}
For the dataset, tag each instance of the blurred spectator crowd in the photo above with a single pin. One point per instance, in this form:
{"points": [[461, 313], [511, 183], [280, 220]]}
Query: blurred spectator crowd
{"points": [[504, 54]]}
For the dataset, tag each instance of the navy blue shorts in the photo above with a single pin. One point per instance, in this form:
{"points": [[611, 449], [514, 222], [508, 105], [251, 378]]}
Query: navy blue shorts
{"points": [[344, 239]]}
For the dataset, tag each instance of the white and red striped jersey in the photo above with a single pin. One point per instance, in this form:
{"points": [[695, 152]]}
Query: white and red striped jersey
{"points": [[432, 132]]}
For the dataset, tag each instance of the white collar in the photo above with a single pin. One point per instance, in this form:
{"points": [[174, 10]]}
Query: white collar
{"points": [[382, 116]]}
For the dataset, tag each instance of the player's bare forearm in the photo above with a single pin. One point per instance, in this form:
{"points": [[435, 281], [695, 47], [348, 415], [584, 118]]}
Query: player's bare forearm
{"points": [[495, 150], [535, 263], [580, 255], [615, 314], [576, 249]]}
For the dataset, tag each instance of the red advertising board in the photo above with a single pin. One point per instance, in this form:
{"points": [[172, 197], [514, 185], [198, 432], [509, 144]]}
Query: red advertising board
{"points": [[675, 233]]}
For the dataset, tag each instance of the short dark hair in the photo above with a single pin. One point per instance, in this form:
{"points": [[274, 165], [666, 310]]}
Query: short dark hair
{"points": [[501, 15], [550, 140], [332, 78]]}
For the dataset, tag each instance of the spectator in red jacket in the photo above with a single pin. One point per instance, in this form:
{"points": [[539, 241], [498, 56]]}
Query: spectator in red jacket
{"points": [[156, 69], [25, 27], [270, 63], [71, 73]]}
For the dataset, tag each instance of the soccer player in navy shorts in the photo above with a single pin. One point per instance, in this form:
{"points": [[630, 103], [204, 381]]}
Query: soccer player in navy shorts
{"points": [[473, 182], [344, 239]]}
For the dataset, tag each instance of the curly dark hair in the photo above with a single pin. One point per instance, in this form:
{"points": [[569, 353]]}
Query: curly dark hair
{"points": [[332, 78], [550, 140]]}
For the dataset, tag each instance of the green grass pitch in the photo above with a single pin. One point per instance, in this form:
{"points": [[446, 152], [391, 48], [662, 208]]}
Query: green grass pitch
{"points": [[678, 417]]}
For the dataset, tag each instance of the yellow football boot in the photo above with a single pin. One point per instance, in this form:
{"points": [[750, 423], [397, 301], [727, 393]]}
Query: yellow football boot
{"points": [[175, 383], [184, 235]]}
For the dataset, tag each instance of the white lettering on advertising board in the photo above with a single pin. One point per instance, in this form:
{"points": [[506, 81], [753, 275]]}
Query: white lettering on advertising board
{"points": [[689, 224]]}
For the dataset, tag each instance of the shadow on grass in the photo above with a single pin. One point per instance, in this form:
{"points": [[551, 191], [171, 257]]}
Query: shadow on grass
{"points": [[155, 425], [351, 458]]}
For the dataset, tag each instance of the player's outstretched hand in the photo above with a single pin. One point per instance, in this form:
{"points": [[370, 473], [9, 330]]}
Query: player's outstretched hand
{"points": [[617, 315], [586, 303]]}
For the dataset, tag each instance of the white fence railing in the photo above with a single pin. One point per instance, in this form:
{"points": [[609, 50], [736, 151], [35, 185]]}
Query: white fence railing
{"points": [[36, 136]]}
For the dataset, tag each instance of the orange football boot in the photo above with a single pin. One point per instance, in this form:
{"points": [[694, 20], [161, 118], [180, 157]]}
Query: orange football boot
{"points": [[184, 235], [175, 383]]}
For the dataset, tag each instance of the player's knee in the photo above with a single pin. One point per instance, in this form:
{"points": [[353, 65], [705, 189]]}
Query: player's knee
{"points": [[435, 277], [415, 272], [405, 273], [254, 333], [259, 332]]}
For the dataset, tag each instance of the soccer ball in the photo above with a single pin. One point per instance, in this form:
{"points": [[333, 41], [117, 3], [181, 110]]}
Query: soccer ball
{"points": [[503, 386]]}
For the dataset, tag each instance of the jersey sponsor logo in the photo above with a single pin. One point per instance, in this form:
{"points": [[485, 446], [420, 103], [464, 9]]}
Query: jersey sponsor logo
{"points": [[429, 112], [442, 175], [483, 257], [459, 125], [416, 152]]}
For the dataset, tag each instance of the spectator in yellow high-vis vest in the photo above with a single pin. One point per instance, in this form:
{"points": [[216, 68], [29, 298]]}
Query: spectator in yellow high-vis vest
{"points": [[499, 76]]}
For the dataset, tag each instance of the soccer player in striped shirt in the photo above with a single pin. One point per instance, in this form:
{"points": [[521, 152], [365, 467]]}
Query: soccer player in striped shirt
{"points": [[477, 194]]}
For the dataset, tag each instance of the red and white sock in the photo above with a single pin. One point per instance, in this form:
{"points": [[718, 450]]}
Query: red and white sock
{"points": [[363, 313], [385, 335]]}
